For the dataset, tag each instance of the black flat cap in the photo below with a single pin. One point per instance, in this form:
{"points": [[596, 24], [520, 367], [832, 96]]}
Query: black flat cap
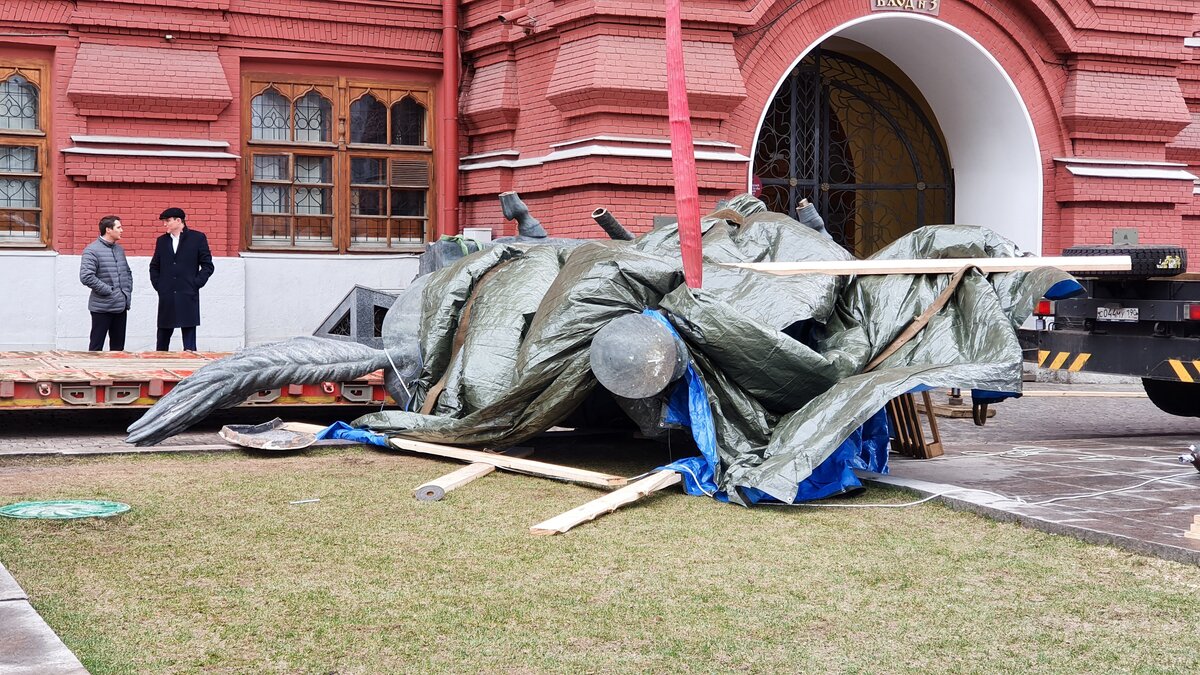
{"points": [[173, 212]]}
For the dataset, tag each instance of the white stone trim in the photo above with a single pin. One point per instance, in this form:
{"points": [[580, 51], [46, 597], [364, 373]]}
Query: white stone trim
{"points": [[145, 140], [993, 145], [601, 151], [27, 253], [639, 139], [1121, 162], [1191, 42], [149, 153], [1134, 173], [486, 155]]}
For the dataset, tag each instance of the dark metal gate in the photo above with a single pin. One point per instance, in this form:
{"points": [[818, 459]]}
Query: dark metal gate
{"points": [[844, 136]]}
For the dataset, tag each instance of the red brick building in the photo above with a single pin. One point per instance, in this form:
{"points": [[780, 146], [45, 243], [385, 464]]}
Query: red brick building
{"points": [[318, 143]]}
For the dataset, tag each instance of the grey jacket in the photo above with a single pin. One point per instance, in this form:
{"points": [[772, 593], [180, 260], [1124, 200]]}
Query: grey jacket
{"points": [[105, 270]]}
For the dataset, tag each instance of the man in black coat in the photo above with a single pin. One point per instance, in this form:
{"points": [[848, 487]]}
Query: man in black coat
{"points": [[181, 265]]}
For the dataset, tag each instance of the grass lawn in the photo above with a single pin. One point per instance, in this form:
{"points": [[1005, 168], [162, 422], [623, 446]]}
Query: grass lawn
{"points": [[213, 570]]}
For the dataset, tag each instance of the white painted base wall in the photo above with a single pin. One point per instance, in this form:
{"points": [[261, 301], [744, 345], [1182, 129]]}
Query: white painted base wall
{"points": [[249, 300], [289, 295], [28, 302]]}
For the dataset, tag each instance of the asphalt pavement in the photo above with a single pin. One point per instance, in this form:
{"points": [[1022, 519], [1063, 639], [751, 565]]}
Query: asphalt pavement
{"points": [[1098, 462]]}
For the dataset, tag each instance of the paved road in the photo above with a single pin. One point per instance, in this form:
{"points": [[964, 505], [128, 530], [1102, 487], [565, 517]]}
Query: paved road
{"points": [[1104, 469], [1041, 416]]}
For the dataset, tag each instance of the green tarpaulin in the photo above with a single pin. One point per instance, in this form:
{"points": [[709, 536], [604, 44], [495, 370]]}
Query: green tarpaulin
{"points": [[781, 357]]}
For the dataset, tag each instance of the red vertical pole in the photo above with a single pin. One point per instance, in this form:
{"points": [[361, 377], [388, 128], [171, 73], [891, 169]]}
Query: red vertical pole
{"points": [[683, 159], [447, 147]]}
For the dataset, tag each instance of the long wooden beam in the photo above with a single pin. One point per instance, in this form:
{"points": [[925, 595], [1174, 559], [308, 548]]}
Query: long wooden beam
{"points": [[511, 463], [1093, 263], [607, 504]]}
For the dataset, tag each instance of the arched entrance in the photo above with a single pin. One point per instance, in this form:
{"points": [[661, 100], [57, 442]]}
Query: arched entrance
{"points": [[988, 148], [842, 134]]}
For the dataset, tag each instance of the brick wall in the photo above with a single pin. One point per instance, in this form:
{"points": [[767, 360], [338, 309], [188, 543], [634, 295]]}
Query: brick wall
{"points": [[114, 74], [1101, 80]]}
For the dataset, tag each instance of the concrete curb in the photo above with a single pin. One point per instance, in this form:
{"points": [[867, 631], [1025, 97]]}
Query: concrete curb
{"points": [[1005, 510], [30, 646]]}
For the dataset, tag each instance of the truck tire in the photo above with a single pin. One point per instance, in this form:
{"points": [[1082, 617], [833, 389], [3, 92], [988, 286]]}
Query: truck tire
{"points": [[1174, 398], [1149, 260]]}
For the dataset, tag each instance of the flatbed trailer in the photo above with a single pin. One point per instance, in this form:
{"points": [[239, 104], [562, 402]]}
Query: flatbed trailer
{"points": [[66, 379], [1147, 328]]}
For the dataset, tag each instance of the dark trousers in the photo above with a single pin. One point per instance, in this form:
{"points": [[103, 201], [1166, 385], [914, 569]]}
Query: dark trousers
{"points": [[110, 324], [164, 338]]}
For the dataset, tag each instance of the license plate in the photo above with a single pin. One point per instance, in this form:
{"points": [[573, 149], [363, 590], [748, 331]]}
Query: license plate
{"points": [[1116, 313]]}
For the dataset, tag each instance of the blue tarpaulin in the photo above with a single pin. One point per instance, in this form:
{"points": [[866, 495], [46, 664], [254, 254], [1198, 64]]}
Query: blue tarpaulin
{"points": [[866, 448], [345, 432]]}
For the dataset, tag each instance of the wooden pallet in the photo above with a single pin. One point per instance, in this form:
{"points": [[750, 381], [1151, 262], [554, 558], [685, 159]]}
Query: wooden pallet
{"points": [[907, 432]]}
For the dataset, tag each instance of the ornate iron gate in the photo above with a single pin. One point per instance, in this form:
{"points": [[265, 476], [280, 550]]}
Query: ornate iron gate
{"points": [[844, 136]]}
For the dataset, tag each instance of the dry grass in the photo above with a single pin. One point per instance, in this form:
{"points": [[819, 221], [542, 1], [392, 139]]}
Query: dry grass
{"points": [[213, 570]]}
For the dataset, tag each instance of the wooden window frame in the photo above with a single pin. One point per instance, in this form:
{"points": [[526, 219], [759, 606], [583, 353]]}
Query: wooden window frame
{"points": [[38, 74], [341, 92]]}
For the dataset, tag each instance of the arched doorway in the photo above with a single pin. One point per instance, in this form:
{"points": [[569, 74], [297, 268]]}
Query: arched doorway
{"points": [[844, 135], [982, 122]]}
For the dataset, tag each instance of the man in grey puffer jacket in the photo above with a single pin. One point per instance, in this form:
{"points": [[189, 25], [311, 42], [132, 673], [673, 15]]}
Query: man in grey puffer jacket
{"points": [[105, 270]]}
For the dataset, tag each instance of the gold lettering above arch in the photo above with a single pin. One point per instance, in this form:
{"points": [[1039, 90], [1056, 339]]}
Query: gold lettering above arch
{"points": [[931, 7]]}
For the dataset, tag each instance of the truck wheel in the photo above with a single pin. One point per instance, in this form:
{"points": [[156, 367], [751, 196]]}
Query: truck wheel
{"points": [[1174, 398], [1149, 260]]}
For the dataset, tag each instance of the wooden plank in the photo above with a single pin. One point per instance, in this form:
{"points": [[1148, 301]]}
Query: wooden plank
{"points": [[1095, 263], [953, 411], [303, 427], [934, 447], [606, 504], [511, 463], [437, 488], [499, 461], [901, 426]]}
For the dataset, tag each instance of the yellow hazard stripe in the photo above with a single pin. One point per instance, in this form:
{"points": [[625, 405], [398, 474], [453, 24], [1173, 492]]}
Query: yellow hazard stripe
{"points": [[1077, 364], [1180, 370], [1061, 358]]}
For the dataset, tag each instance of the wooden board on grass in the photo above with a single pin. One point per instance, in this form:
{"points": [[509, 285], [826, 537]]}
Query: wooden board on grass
{"points": [[606, 504], [517, 464]]}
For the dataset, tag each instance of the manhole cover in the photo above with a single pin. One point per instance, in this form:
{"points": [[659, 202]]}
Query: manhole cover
{"points": [[63, 509]]}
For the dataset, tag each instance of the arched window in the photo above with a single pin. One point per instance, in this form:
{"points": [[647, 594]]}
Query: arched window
{"points": [[312, 116], [408, 122], [269, 113], [368, 120], [844, 135], [24, 196], [18, 104]]}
